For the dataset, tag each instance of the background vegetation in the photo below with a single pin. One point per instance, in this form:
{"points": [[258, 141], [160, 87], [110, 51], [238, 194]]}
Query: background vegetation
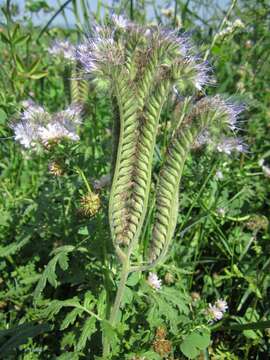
{"points": [[55, 258]]}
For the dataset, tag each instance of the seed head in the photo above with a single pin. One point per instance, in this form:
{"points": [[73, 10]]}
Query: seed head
{"points": [[90, 204], [161, 333], [168, 12], [257, 222], [195, 296], [55, 168], [162, 346], [248, 44], [169, 278]]}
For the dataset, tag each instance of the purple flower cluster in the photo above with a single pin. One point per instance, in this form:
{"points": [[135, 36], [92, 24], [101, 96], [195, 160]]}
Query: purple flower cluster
{"points": [[107, 46], [37, 126]]}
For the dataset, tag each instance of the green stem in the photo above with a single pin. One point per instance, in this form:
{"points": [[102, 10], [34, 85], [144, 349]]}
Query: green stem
{"points": [[223, 22], [81, 173], [117, 303], [120, 292]]}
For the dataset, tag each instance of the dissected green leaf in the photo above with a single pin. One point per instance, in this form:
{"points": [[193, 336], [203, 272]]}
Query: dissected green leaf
{"points": [[88, 329], [13, 247], [49, 274], [111, 334], [71, 318]]}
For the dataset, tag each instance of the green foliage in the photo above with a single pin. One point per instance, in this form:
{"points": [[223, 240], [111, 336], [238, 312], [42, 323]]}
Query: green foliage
{"points": [[59, 274], [49, 274], [195, 342], [12, 338]]}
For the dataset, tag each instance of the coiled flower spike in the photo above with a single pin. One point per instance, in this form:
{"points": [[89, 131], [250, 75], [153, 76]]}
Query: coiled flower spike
{"points": [[210, 114], [142, 65]]}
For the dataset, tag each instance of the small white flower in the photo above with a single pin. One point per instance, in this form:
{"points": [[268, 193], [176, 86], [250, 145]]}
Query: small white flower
{"points": [[219, 175], [238, 23], [221, 212], [214, 312], [148, 32], [120, 21], [72, 113], [25, 134], [63, 48], [221, 305], [231, 27], [27, 103], [154, 281], [38, 126], [228, 145], [56, 132]]}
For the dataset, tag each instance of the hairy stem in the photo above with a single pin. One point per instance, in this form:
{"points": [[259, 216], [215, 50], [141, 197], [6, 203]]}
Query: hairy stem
{"points": [[117, 303]]}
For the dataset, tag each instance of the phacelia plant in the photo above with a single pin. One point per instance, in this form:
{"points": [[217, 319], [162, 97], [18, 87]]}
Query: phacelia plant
{"points": [[145, 67]]}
